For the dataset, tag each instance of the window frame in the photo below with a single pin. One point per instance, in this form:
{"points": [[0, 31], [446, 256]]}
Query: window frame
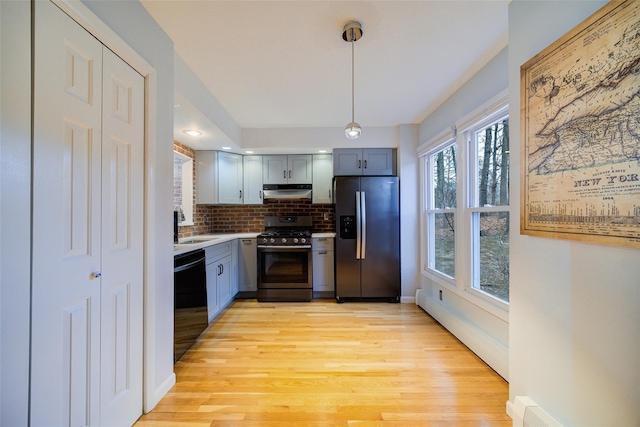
{"points": [[461, 285]]}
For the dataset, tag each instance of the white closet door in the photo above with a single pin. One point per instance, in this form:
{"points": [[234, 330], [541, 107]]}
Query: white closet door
{"points": [[65, 374], [122, 237], [87, 229]]}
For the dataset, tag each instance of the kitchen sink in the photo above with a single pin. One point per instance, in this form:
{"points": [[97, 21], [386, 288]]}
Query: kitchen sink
{"points": [[192, 240]]}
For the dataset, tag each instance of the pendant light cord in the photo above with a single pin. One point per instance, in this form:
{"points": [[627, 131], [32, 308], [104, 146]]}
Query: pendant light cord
{"points": [[352, 77]]}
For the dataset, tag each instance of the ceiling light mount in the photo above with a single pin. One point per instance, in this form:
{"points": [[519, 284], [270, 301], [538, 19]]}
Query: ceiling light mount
{"points": [[351, 33]]}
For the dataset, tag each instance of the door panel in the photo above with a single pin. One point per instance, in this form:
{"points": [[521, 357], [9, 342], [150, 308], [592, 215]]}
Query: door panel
{"points": [[65, 380], [347, 266], [381, 266], [122, 238]]}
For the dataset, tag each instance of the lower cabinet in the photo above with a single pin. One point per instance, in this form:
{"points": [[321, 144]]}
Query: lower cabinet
{"points": [[323, 267], [220, 277], [247, 268]]}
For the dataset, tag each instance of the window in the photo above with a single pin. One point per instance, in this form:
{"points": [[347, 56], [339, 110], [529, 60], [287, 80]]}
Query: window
{"points": [[489, 207], [441, 210], [183, 188], [465, 200]]}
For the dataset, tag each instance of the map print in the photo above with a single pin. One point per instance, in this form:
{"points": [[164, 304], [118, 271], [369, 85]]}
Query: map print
{"points": [[581, 132]]}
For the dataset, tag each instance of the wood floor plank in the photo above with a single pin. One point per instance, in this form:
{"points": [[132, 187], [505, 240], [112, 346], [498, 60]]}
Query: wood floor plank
{"points": [[327, 364]]}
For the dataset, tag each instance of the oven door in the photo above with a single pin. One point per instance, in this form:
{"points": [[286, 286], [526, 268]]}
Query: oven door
{"points": [[284, 267]]}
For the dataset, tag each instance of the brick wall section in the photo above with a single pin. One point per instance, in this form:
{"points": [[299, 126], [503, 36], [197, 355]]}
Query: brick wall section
{"points": [[250, 218], [199, 211]]}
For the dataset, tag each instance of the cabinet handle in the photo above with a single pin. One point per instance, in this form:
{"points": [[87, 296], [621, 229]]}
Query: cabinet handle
{"points": [[285, 175], [241, 194], [359, 164], [365, 164], [322, 239], [289, 174], [221, 268], [330, 190], [260, 194], [246, 241], [322, 253]]}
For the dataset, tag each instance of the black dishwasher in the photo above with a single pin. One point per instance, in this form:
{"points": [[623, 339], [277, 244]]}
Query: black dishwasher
{"points": [[190, 300]]}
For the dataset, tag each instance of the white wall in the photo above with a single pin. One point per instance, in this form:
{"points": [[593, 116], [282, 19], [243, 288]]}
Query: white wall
{"points": [[408, 172], [481, 326], [15, 208], [574, 328]]}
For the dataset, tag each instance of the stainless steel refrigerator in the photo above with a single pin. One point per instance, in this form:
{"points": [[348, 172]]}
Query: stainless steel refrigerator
{"points": [[367, 252]]}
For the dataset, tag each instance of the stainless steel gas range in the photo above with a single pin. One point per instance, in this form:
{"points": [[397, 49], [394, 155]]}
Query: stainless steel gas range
{"points": [[284, 259]]}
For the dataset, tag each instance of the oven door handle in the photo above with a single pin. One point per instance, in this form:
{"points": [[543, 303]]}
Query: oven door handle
{"points": [[285, 247]]}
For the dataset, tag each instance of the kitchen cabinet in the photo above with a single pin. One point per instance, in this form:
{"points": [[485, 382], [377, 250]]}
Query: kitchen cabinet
{"points": [[252, 182], [323, 267], [219, 178], [248, 267], [322, 178], [219, 269], [287, 169], [364, 161]]}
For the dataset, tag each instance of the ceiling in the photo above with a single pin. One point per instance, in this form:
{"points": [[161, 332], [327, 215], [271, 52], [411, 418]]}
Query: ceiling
{"points": [[284, 64]]}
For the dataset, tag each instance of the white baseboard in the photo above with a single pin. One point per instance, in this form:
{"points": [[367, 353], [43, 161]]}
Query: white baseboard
{"points": [[407, 300], [483, 345], [159, 393]]}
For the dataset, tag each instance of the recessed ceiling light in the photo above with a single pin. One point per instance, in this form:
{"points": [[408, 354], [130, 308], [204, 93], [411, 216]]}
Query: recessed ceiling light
{"points": [[249, 152], [226, 148], [192, 132], [322, 151]]}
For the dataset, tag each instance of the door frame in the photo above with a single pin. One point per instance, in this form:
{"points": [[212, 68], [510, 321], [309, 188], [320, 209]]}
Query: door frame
{"points": [[95, 26]]}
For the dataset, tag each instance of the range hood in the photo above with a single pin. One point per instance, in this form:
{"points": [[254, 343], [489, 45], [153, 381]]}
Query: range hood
{"points": [[286, 191]]}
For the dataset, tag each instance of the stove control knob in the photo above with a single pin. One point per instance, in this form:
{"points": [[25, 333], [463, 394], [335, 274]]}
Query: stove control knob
{"points": [[295, 240], [264, 240], [303, 240], [284, 240], [272, 240]]}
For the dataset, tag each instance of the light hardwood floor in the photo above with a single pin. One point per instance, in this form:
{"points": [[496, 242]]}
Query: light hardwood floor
{"points": [[328, 364]]}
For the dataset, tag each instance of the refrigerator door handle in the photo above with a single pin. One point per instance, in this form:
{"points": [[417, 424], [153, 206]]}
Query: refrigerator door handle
{"points": [[358, 226], [363, 214]]}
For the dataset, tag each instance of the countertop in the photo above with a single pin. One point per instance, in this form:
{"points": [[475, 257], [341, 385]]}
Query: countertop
{"points": [[213, 239], [208, 240]]}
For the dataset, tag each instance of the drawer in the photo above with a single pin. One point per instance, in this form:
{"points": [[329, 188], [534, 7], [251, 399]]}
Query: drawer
{"points": [[322, 244], [217, 251]]}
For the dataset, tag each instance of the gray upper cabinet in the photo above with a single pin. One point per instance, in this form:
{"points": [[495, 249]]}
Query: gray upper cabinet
{"points": [[364, 161], [287, 169], [219, 178], [252, 170], [322, 178]]}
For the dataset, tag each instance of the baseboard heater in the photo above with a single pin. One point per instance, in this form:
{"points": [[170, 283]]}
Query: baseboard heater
{"points": [[526, 413]]}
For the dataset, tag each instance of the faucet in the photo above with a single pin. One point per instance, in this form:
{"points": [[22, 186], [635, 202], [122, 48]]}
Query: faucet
{"points": [[181, 216]]}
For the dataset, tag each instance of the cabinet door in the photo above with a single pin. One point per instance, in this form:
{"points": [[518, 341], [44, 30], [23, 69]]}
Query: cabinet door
{"points": [[323, 271], [224, 277], [378, 161], [248, 266], [229, 178], [274, 169], [213, 303], [322, 178], [206, 178], [300, 169], [347, 161], [252, 171]]}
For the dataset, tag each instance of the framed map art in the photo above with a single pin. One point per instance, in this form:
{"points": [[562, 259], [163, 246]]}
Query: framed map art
{"points": [[580, 130]]}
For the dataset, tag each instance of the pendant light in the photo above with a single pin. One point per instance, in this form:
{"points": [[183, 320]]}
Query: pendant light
{"points": [[352, 32]]}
